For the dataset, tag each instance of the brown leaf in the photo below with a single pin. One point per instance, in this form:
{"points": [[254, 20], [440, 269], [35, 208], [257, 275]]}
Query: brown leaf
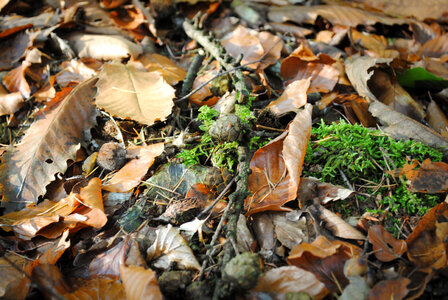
{"points": [[290, 279], [253, 45], [15, 80], [426, 244], [402, 127], [128, 18], [50, 218], [140, 283], [386, 248], [9, 103], [45, 148], [132, 173], [128, 92], [376, 44], [14, 285], [52, 255], [436, 118], [390, 289], [171, 72], [337, 15], [338, 226], [325, 259], [431, 177], [92, 45], [74, 71], [109, 262], [276, 167], [420, 9], [13, 48], [303, 64], [96, 288], [293, 98]]}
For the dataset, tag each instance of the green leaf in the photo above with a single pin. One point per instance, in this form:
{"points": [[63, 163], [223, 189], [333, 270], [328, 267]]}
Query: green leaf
{"points": [[419, 78]]}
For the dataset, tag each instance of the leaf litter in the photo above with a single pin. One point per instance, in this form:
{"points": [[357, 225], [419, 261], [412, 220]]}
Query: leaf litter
{"points": [[115, 184]]}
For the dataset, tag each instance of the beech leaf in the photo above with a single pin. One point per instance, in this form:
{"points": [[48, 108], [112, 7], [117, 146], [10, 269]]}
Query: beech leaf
{"points": [[140, 283], [128, 92], [45, 148]]}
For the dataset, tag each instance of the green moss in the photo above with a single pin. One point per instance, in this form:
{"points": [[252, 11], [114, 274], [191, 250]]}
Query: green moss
{"points": [[364, 156]]}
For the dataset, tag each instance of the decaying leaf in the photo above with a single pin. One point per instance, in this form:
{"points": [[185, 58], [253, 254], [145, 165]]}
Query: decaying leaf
{"points": [[290, 279], [430, 177], [276, 167], [325, 259], [427, 243], [128, 92], [132, 173], [403, 127], [171, 72], [303, 64], [254, 45], [337, 15], [50, 218], [170, 246], [94, 46], [293, 98], [385, 246], [140, 283], [45, 148]]}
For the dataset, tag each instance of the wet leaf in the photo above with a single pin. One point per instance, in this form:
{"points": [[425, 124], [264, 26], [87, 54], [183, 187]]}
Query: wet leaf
{"points": [[128, 92], [290, 279], [132, 173], [45, 148], [170, 246], [325, 259], [386, 248], [140, 283], [276, 167]]}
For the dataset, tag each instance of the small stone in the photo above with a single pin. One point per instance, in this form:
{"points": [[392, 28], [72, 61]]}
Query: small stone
{"points": [[112, 156]]}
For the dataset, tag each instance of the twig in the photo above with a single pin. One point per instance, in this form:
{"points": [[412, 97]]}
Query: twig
{"points": [[210, 207], [192, 72]]}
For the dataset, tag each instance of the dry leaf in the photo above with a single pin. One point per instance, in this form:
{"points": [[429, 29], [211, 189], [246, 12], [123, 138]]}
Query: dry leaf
{"points": [[386, 248], [171, 72], [402, 127], [390, 289], [9, 103], [293, 98], [13, 48], [254, 45], [436, 118], [338, 226], [129, 17], [170, 246], [15, 80], [109, 262], [104, 47], [290, 279], [74, 71], [132, 173], [140, 283], [290, 231], [303, 64], [14, 285], [337, 15], [45, 148], [325, 259], [128, 92], [276, 167], [427, 243], [96, 288], [436, 47]]}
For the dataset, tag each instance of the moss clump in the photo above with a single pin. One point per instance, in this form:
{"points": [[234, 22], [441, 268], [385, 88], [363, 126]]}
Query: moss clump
{"points": [[364, 156]]}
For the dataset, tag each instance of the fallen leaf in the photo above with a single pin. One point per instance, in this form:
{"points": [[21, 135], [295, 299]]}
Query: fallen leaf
{"points": [[414, 8], [436, 118], [430, 177], [14, 284], [170, 246], [128, 18], [337, 15], [132, 173], [254, 46], [293, 98], [290, 231], [376, 45], [427, 243], [390, 289], [92, 45], [13, 48], [110, 262], [403, 127], [171, 72], [303, 64], [74, 71], [58, 247], [140, 283], [338, 226], [15, 80], [290, 279], [325, 259], [276, 167], [128, 92], [9, 102], [386, 248], [45, 148]]}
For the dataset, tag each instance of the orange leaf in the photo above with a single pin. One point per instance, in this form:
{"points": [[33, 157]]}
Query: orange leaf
{"points": [[140, 283], [431, 177], [390, 289], [132, 173], [386, 248], [293, 98], [276, 167], [171, 72], [325, 259], [15, 80]]}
